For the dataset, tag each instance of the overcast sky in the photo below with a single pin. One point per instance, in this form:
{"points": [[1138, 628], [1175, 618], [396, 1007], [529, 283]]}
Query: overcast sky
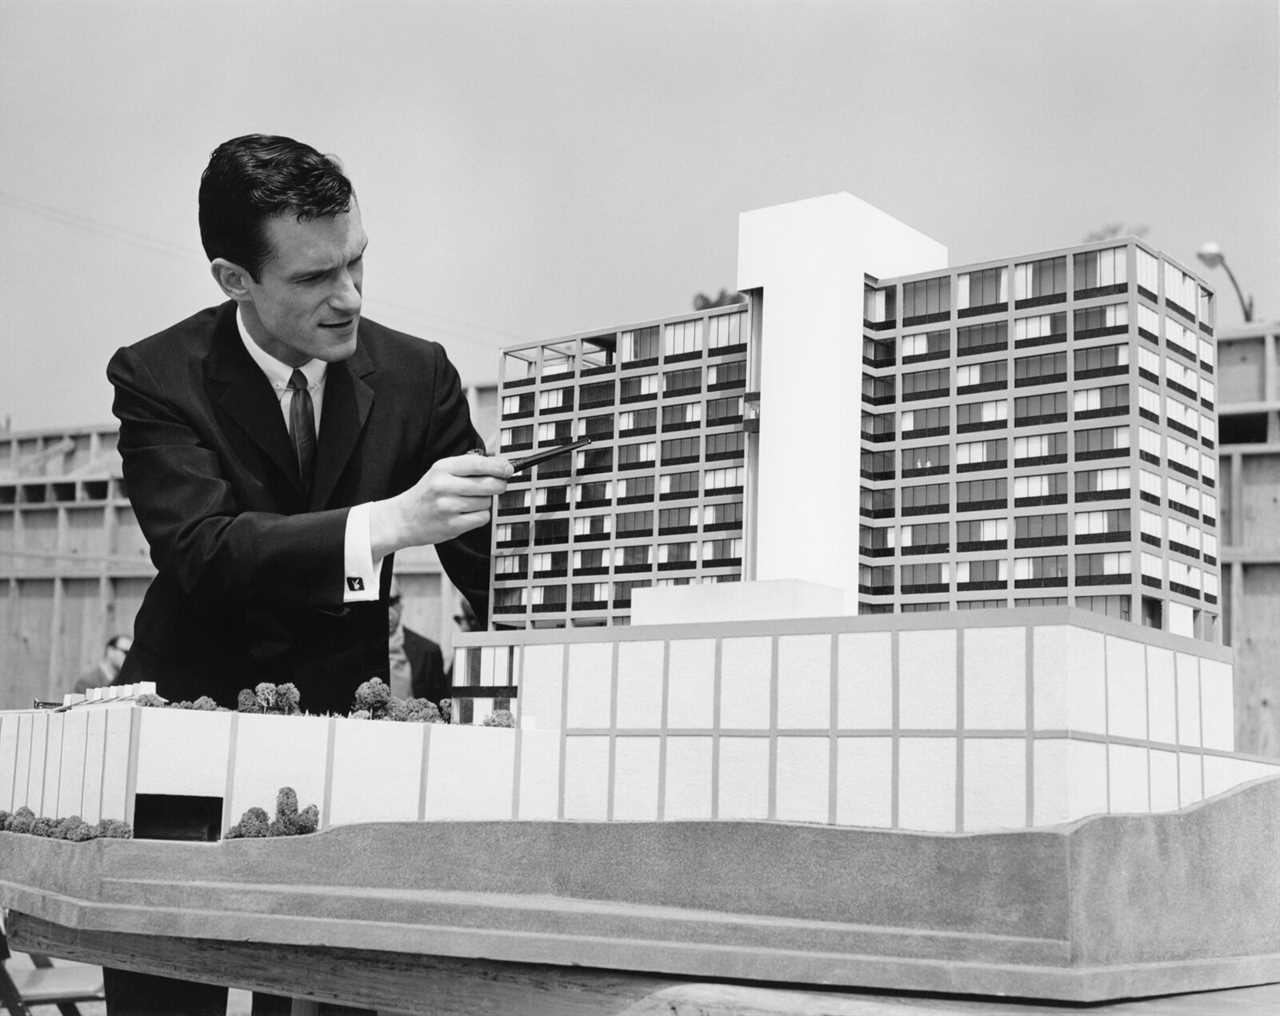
{"points": [[531, 169]]}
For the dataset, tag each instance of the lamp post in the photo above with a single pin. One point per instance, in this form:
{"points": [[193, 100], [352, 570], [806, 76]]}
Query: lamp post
{"points": [[1210, 254]]}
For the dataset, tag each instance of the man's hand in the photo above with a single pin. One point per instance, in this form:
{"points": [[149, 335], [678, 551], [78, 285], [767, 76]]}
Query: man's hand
{"points": [[453, 497]]}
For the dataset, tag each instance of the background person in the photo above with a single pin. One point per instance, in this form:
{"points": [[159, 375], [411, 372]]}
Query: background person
{"points": [[107, 669], [416, 662]]}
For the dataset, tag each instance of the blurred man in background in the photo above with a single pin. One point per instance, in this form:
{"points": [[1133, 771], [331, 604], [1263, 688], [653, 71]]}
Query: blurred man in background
{"points": [[107, 669], [416, 664]]}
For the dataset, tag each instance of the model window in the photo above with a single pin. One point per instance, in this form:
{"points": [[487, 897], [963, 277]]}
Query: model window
{"points": [[1042, 369], [982, 338], [1101, 269], [682, 337], [639, 344], [987, 287], [1036, 279], [926, 297]]}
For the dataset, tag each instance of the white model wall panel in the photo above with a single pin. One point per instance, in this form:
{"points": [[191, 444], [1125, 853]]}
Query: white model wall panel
{"points": [[1129, 779], [1223, 772], [71, 779], [183, 752], [590, 684], [271, 752], [117, 802], [1126, 689], [1049, 648], [1187, 668], [51, 778], [927, 680], [470, 771], [586, 778], [995, 783], [95, 748], [539, 775], [377, 772], [687, 778], [691, 684], [746, 795], [1085, 677], [1164, 780], [1087, 778], [746, 673], [541, 687], [927, 783], [38, 739], [1190, 778], [1217, 710], [9, 723], [1162, 696], [639, 685], [864, 692], [803, 791], [804, 681], [1051, 802], [864, 781], [995, 679], [637, 764]]}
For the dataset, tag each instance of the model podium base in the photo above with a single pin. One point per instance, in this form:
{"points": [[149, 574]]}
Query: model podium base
{"points": [[1109, 907]]}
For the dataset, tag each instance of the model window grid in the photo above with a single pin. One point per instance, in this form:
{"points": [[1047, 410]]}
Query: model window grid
{"points": [[661, 400], [1104, 302]]}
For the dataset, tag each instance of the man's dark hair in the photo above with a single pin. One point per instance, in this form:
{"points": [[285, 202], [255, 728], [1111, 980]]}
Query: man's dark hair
{"points": [[251, 178]]}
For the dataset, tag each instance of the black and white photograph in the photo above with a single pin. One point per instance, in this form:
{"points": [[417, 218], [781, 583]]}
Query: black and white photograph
{"points": [[633, 507]]}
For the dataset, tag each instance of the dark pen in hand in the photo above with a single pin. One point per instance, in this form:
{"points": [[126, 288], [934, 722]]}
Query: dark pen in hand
{"points": [[529, 461]]}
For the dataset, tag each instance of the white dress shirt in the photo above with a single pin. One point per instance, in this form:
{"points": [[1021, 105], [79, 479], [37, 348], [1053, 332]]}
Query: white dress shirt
{"points": [[363, 574]]}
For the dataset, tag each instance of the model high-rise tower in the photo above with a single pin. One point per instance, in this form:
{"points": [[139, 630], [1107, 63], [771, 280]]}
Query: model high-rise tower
{"points": [[1027, 431]]}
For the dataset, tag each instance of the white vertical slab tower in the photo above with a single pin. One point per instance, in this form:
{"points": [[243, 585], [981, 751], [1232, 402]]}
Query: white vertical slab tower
{"points": [[809, 257]]}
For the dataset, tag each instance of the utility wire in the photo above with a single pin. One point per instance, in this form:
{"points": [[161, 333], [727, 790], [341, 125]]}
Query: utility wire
{"points": [[433, 321]]}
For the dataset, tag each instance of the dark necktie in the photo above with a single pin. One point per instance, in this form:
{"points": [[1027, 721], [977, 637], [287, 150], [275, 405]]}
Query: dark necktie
{"points": [[302, 426]]}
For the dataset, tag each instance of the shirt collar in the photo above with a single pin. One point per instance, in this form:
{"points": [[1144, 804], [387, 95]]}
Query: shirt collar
{"points": [[278, 372]]}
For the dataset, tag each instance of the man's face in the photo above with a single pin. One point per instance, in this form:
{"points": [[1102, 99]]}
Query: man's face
{"points": [[307, 303]]}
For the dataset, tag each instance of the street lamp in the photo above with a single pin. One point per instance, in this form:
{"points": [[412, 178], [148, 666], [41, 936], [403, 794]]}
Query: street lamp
{"points": [[1210, 254]]}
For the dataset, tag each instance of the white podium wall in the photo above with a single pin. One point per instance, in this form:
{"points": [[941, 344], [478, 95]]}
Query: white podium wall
{"points": [[895, 723], [94, 760], [973, 724]]}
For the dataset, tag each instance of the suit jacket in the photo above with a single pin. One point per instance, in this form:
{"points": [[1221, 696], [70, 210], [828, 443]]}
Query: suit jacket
{"points": [[251, 569], [426, 667]]}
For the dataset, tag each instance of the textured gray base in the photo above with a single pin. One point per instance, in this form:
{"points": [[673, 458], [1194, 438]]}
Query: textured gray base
{"points": [[1110, 907]]}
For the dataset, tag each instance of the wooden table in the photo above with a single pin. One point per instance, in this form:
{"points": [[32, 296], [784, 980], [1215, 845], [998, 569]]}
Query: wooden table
{"points": [[394, 983]]}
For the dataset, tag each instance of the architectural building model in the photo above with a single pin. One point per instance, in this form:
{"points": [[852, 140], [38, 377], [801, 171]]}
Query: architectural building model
{"points": [[891, 552], [1030, 431], [870, 433]]}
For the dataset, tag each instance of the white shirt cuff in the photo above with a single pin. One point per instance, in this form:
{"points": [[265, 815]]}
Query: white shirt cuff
{"points": [[363, 575]]}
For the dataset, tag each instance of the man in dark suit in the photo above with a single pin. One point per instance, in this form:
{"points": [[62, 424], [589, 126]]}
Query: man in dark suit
{"points": [[278, 450], [272, 511]]}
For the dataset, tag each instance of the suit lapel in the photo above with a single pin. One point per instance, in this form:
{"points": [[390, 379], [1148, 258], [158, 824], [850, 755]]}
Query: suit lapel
{"points": [[239, 388], [347, 401]]}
